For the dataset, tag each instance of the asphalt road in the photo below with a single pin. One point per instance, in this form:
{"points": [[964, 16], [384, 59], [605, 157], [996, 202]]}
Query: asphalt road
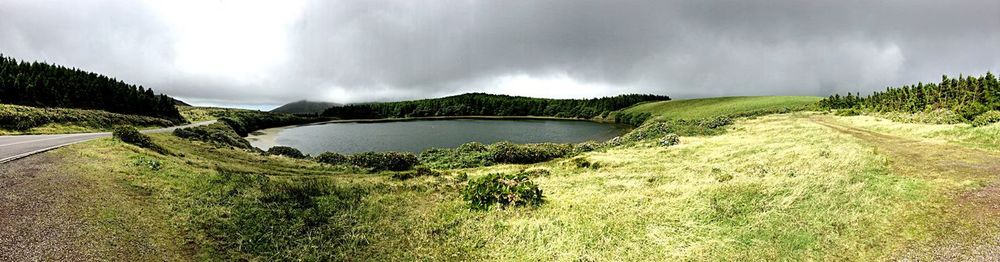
{"points": [[14, 147]]}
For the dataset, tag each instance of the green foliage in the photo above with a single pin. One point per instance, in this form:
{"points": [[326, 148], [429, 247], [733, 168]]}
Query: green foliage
{"points": [[130, 135], [987, 118], [632, 119], [968, 96], [503, 190], [588, 146], [332, 158], [583, 162], [217, 133], [22, 118], [44, 85], [285, 151], [669, 140], [940, 116], [270, 219], [506, 152], [384, 161], [478, 104]]}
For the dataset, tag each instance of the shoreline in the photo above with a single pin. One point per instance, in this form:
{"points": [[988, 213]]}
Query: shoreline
{"points": [[266, 138]]}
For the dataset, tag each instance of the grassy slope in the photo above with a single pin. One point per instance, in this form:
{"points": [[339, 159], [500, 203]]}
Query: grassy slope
{"points": [[36, 120], [720, 106], [773, 187]]}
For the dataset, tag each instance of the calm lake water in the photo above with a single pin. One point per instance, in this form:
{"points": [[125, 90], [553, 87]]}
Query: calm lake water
{"points": [[416, 136]]}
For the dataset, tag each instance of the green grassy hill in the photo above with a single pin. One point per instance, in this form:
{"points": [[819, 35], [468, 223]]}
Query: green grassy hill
{"points": [[721, 106]]}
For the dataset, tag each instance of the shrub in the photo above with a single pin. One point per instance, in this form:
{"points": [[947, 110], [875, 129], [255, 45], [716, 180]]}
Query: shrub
{"points": [[586, 147], [507, 152], [971, 110], [383, 161], [987, 118], [130, 135], [669, 140], [940, 116], [582, 162], [332, 158], [285, 151], [502, 189], [217, 133], [648, 131], [472, 147]]}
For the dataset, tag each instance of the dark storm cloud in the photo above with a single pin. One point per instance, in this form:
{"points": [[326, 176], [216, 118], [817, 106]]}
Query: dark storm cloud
{"points": [[377, 50]]}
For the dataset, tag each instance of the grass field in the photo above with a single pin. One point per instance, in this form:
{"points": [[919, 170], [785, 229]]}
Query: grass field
{"points": [[702, 108], [797, 186], [773, 187]]}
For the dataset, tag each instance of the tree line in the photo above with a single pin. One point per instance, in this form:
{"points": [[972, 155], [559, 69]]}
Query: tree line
{"points": [[480, 104], [966, 95], [43, 85]]}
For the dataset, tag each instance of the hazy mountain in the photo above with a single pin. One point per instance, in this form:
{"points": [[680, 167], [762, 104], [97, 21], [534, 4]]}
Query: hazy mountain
{"points": [[304, 107]]}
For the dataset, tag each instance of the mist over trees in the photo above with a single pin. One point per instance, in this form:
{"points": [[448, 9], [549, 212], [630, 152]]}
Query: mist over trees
{"points": [[44, 85], [480, 104], [966, 95]]}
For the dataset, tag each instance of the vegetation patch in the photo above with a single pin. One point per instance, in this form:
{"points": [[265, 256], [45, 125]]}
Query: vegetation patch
{"points": [[669, 140], [967, 97], [217, 133], [26, 119], [502, 190], [332, 158], [987, 118], [285, 151], [384, 161], [479, 104], [510, 153], [130, 135]]}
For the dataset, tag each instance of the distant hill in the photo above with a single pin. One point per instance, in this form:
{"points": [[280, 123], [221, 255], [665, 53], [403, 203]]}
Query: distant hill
{"points": [[480, 104], [304, 107]]}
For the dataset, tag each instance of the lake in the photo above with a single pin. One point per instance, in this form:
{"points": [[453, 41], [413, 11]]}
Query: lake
{"points": [[416, 136]]}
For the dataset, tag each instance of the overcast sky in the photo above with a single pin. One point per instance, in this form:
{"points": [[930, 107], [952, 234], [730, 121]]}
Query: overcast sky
{"points": [[264, 53]]}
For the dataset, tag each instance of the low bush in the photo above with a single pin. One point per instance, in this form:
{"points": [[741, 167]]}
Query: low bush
{"points": [[645, 132], [582, 162], [384, 161], [217, 133], [987, 118], [510, 153], [586, 147], [669, 140], [130, 135], [332, 158], [940, 116], [503, 190], [285, 151]]}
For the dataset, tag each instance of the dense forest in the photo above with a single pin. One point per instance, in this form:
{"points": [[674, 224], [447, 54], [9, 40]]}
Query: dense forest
{"points": [[968, 96], [479, 104], [44, 85]]}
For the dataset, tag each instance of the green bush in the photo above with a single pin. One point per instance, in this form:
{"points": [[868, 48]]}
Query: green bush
{"points": [[503, 190], [285, 151], [586, 147], [940, 116], [971, 110], [582, 162], [217, 133], [648, 131], [987, 118], [669, 140], [332, 158], [384, 161], [510, 153], [472, 147], [130, 135]]}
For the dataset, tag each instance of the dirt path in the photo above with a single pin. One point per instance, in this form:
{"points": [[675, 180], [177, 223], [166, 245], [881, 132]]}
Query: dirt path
{"points": [[34, 223], [972, 230]]}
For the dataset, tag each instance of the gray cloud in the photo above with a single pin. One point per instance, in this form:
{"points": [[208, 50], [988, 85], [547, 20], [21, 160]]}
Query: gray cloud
{"points": [[349, 51]]}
